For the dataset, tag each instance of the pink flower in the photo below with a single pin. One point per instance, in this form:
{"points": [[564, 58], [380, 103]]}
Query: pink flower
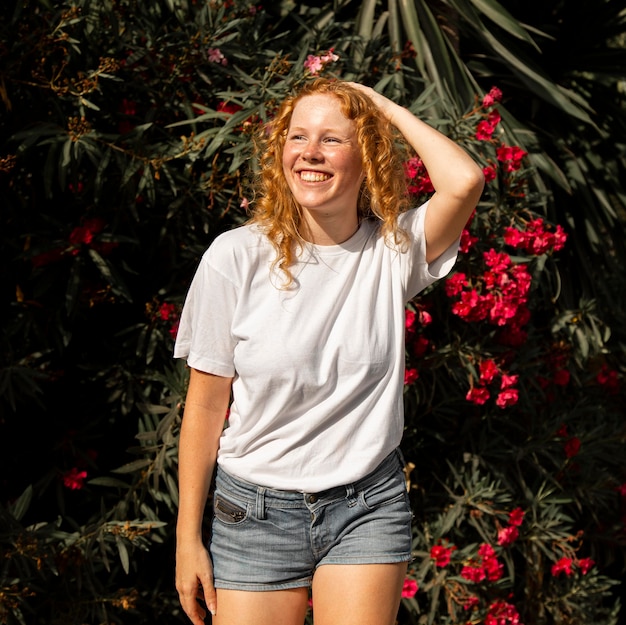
{"points": [[315, 64], [441, 554], [215, 56], [455, 284], [516, 517], [409, 588], [477, 395], [494, 95], [467, 241], [167, 311], [511, 156], [490, 173], [507, 397], [564, 565], [508, 380], [74, 479], [502, 613], [484, 130], [410, 375], [409, 319], [507, 535], [488, 371], [586, 564], [474, 574]]}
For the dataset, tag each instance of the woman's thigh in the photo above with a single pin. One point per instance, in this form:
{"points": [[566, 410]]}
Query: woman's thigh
{"points": [[357, 594], [274, 607]]}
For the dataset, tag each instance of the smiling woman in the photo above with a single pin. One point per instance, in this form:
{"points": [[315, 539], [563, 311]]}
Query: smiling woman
{"points": [[323, 168], [300, 315]]}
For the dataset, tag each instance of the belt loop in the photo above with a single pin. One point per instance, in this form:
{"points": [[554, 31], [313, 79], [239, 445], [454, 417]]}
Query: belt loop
{"points": [[260, 503], [350, 495]]}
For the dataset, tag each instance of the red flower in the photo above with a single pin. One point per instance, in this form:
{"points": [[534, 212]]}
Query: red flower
{"points": [[494, 95], [409, 319], [511, 156], [74, 479], [507, 535], [586, 564], [477, 395], [420, 345], [228, 107], [502, 613], [564, 565], [507, 397], [489, 173], [572, 447], [488, 371], [516, 517], [608, 380], [441, 554], [455, 284], [410, 375], [409, 588], [474, 574]]}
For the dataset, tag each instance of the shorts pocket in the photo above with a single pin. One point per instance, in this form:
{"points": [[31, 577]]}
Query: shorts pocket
{"points": [[229, 512], [391, 488]]}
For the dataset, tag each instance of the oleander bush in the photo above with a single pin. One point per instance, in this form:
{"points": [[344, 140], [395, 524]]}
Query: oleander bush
{"points": [[126, 147]]}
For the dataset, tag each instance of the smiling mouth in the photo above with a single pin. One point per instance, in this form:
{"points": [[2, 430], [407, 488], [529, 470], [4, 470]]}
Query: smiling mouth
{"points": [[314, 176]]}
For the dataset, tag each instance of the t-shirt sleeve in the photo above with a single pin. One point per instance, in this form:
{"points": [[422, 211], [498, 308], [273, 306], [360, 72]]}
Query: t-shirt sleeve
{"points": [[418, 273], [204, 335]]}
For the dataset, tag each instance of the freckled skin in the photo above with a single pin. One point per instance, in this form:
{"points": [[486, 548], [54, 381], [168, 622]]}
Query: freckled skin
{"points": [[322, 162]]}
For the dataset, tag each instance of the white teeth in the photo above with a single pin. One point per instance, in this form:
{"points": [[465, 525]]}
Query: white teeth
{"points": [[310, 176]]}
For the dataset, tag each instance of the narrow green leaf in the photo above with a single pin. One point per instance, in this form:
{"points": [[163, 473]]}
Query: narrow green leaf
{"points": [[500, 16], [22, 503]]}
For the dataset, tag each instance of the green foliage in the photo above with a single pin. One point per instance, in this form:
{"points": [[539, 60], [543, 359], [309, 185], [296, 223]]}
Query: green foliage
{"points": [[125, 145]]}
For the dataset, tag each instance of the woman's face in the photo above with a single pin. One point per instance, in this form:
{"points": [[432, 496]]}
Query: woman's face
{"points": [[321, 158]]}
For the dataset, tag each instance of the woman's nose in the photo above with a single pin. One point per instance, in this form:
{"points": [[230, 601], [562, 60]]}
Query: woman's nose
{"points": [[312, 152]]}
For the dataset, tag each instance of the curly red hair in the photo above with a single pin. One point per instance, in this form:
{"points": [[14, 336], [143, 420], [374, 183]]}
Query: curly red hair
{"points": [[383, 193]]}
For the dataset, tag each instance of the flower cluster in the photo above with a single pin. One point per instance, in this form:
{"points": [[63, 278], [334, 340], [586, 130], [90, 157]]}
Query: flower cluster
{"points": [[488, 372], [535, 239], [81, 237], [499, 296], [419, 343], [502, 613], [509, 534], [485, 566], [315, 64], [566, 566], [166, 312], [417, 176]]}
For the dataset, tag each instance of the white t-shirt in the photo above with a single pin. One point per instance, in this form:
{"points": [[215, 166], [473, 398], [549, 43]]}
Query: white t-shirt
{"points": [[319, 368]]}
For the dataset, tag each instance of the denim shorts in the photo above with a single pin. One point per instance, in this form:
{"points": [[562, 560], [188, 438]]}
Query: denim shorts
{"points": [[264, 539]]}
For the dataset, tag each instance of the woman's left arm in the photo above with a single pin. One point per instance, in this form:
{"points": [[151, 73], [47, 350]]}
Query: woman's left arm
{"points": [[457, 179]]}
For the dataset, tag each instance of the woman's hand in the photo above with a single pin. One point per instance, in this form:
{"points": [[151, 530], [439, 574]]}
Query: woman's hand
{"points": [[386, 106], [194, 581]]}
